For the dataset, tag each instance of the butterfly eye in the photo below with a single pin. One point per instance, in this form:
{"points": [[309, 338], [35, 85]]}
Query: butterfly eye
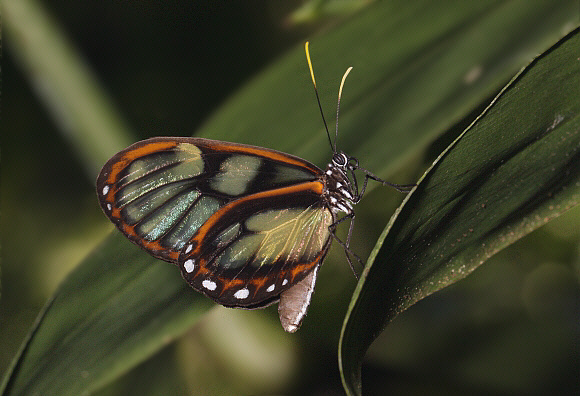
{"points": [[340, 159]]}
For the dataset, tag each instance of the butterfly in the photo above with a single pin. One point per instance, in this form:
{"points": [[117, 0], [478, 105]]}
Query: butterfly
{"points": [[247, 226]]}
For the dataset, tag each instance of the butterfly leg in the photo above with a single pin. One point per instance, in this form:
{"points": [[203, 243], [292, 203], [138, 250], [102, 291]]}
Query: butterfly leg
{"points": [[346, 245], [402, 188]]}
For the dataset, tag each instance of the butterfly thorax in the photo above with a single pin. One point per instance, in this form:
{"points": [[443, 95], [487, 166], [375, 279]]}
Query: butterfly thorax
{"points": [[340, 195]]}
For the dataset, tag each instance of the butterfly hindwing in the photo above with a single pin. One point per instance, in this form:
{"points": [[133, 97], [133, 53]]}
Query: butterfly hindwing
{"points": [[252, 218], [256, 247]]}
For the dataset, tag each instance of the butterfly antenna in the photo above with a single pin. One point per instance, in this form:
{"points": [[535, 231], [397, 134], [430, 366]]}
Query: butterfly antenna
{"points": [[338, 104], [333, 146]]}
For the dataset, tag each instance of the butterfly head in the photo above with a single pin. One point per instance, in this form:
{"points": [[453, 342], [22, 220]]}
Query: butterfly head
{"points": [[343, 161]]}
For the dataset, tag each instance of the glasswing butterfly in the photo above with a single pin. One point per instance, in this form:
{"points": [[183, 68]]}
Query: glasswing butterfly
{"points": [[247, 226]]}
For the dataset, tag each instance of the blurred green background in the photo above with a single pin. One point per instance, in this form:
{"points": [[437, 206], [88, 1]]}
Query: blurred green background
{"points": [[510, 328]]}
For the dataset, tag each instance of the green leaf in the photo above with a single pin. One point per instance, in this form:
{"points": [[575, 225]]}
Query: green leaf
{"points": [[419, 68], [115, 309], [514, 169], [314, 10], [70, 92]]}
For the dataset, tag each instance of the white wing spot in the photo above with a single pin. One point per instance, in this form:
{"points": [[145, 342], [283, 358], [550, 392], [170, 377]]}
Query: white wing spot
{"points": [[329, 172], [105, 190], [242, 293], [188, 249], [338, 184], [209, 285], [285, 282], [332, 200], [109, 206], [271, 288], [189, 266]]}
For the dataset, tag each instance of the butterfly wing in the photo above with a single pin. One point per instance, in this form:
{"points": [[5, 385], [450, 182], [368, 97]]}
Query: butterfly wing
{"points": [[233, 206], [258, 246]]}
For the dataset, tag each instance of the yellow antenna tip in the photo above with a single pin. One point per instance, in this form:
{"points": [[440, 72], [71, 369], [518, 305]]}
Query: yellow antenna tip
{"points": [[342, 82], [309, 63]]}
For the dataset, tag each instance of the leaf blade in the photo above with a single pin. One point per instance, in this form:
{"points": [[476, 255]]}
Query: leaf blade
{"points": [[107, 316], [486, 191]]}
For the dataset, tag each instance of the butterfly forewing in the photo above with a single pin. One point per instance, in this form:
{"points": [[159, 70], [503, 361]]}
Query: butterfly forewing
{"points": [[250, 222]]}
